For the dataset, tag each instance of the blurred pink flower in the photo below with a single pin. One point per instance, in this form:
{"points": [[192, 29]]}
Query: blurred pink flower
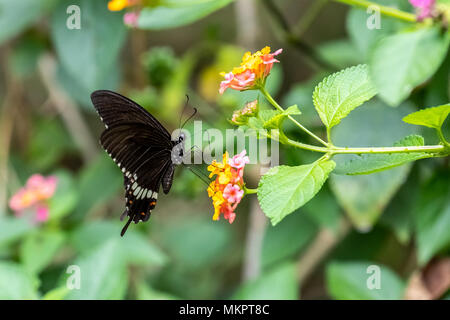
{"points": [[233, 193], [131, 19], [424, 8], [33, 196]]}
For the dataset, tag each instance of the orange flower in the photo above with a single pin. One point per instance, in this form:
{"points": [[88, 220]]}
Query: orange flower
{"points": [[252, 72], [227, 189]]}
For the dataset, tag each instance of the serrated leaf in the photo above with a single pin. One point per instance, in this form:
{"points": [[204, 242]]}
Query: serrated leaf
{"points": [[370, 163], [283, 189], [400, 62], [338, 94], [177, 14], [349, 281], [432, 117]]}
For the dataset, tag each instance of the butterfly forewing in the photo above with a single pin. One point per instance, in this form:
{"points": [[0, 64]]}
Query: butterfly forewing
{"points": [[140, 146]]}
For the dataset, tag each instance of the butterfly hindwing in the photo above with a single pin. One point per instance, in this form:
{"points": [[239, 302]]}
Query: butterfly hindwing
{"points": [[141, 147]]}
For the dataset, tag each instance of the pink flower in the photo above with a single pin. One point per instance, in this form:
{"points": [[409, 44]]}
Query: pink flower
{"points": [[241, 81], [229, 213], [233, 193], [424, 8], [268, 60], [239, 160], [131, 19], [33, 197]]}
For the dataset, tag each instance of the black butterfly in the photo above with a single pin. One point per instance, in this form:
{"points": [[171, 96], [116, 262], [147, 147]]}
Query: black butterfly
{"points": [[142, 148]]}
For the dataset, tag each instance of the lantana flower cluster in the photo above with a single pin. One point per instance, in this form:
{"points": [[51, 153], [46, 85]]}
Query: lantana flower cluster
{"points": [[34, 196], [240, 117], [252, 72], [227, 189]]}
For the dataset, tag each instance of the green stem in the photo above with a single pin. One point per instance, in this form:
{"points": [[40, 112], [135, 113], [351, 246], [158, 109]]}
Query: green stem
{"points": [[308, 18], [331, 150], [387, 11], [277, 106], [442, 138], [371, 150], [250, 191]]}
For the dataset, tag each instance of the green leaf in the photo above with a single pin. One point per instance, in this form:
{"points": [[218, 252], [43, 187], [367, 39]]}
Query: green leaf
{"points": [[286, 239], [39, 155], [15, 16], [206, 241], [275, 120], [65, 198], [90, 53], [401, 62], [365, 38], [349, 281], [340, 52], [432, 117], [324, 210], [398, 215], [338, 94], [97, 183], [39, 248], [364, 197], [15, 283], [144, 292], [370, 163], [177, 15], [432, 217], [56, 294], [103, 274], [13, 229], [280, 283], [134, 248], [294, 187]]}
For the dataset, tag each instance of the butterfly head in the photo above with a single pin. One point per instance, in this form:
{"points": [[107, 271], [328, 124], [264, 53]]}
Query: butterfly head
{"points": [[178, 149]]}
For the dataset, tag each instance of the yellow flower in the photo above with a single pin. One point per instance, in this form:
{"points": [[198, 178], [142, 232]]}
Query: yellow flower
{"points": [[117, 5]]}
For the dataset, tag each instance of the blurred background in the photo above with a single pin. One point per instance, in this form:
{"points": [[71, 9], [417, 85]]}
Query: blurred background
{"points": [[397, 220]]}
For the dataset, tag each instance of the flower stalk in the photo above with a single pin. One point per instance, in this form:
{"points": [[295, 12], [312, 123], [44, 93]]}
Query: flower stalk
{"points": [[387, 11]]}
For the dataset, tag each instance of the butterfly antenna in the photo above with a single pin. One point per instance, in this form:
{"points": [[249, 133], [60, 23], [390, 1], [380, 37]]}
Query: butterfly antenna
{"points": [[192, 115], [182, 112], [126, 226], [201, 176]]}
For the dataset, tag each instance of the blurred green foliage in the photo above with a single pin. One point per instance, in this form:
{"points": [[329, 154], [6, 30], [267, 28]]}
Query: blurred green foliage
{"points": [[400, 217]]}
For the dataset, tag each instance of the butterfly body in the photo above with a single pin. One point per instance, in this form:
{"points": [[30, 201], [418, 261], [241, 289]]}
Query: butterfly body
{"points": [[143, 150]]}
